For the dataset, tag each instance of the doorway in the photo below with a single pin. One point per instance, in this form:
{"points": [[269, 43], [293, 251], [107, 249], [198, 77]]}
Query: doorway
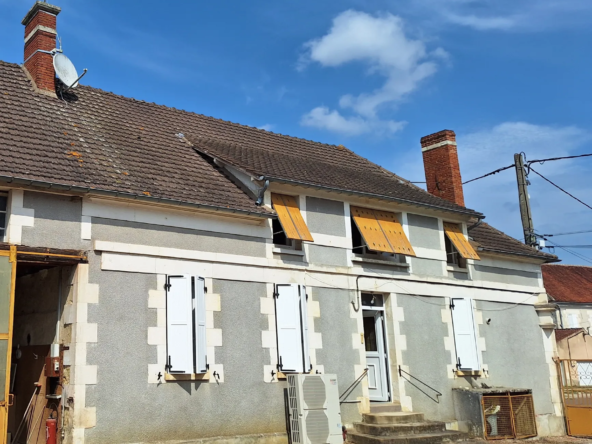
{"points": [[376, 348]]}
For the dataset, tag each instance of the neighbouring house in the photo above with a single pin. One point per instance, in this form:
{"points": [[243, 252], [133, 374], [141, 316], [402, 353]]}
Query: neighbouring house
{"points": [[163, 271], [569, 288]]}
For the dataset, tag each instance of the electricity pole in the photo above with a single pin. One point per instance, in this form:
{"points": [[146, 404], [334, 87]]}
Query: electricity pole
{"points": [[527, 226]]}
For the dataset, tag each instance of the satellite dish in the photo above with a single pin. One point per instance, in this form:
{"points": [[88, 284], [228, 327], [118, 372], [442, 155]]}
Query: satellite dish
{"points": [[65, 70]]}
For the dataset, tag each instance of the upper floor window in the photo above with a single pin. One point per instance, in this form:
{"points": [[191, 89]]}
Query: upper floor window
{"points": [[378, 233], [289, 229], [458, 248], [3, 211]]}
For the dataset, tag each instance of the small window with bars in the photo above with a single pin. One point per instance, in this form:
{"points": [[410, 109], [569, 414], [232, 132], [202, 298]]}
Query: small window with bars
{"points": [[3, 214]]}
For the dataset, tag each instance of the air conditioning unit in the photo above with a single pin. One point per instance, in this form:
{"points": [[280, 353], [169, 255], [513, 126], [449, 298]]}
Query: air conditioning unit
{"points": [[315, 417]]}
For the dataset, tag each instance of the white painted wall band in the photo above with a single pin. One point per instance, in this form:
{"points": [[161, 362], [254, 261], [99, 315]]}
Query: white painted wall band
{"points": [[437, 145]]}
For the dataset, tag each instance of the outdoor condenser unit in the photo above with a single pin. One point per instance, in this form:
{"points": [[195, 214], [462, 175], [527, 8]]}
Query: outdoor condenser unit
{"points": [[315, 417]]}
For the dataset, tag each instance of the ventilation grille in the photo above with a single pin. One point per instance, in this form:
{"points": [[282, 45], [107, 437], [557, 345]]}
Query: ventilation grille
{"points": [[293, 406], [313, 391], [317, 427]]}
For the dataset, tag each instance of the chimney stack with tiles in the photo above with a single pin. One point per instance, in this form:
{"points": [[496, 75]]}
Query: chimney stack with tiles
{"points": [[40, 40], [440, 162]]}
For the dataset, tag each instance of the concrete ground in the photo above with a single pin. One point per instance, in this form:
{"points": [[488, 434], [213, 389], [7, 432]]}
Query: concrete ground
{"points": [[554, 440]]}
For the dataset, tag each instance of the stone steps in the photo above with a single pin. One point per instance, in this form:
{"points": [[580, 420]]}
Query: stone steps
{"points": [[395, 427], [410, 428], [420, 438], [385, 407]]}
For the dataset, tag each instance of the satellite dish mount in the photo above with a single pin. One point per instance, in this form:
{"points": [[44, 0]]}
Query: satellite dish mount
{"points": [[65, 69]]}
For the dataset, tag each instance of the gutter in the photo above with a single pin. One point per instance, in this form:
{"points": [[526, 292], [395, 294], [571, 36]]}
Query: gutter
{"points": [[130, 196], [547, 260], [362, 193]]}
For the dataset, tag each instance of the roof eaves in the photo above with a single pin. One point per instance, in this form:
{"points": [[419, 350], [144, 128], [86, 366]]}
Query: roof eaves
{"points": [[379, 196], [136, 197], [547, 258]]}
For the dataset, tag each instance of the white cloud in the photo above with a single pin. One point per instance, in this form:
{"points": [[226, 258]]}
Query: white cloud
{"points": [[267, 127], [382, 44], [483, 23], [323, 118], [497, 197]]}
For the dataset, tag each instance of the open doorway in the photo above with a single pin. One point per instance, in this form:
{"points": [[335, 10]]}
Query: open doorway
{"points": [[377, 359], [36, 376]]}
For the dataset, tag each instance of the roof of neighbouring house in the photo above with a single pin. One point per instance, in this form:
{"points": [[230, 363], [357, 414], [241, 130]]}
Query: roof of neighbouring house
{"points": [[568, 283], [565, 333], [105, 143], [491, 240]]}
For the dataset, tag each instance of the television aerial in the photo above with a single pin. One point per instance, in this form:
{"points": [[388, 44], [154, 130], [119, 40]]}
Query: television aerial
{"points": [[65, 70]]}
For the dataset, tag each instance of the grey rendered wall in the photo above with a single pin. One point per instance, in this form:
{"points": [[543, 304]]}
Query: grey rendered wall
{"points": [[57, 221], [338, 355], [171, 237], [423, 231], [514, 353], [505, 275], [131, 410], [325, 216]]}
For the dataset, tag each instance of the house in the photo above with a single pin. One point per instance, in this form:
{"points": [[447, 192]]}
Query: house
{"points": [[569, 287], [173, 268]]}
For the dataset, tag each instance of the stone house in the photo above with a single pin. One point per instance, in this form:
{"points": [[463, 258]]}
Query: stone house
{"points": [[173, 268]]}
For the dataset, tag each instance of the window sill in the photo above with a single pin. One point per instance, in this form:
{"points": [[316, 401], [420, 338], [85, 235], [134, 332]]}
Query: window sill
{"points": [[468, 372], [187, 376], [278, 250], [380, 261], [457, 269]]}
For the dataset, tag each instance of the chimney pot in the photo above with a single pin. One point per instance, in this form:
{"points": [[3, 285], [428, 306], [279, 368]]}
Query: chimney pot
{"points": [[442, 170], [40, 39]]}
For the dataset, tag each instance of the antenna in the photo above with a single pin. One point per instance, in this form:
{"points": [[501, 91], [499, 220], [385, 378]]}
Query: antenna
{"points": [[66, 71]]}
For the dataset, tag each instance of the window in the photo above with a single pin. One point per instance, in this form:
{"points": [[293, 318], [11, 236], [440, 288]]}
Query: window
{"points": [[458, 248], [465, 338], [292, 328], [289, 229], [3, 210], [379, 233], [186, 325]]}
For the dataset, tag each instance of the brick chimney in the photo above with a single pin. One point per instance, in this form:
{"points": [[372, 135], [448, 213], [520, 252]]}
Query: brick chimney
{"points": [[440, 162], [40, 40]]}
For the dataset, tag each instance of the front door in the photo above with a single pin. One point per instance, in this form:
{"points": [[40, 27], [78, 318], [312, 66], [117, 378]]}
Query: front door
{"points": [[7, 270], [376, 356]]}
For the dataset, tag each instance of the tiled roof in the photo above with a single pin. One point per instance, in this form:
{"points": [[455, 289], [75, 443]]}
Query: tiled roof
{"points": [[492, 240], [107, 142], [314, 164], [564, 333], [568, 283]]}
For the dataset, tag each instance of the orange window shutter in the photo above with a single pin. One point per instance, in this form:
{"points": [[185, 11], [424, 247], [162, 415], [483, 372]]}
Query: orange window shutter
{"points": [[456, 236], [370, 229], [290, 217], [394, 233]]}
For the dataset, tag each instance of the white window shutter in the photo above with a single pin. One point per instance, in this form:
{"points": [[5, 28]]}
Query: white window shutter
{"points": [[304, 323], [179, 325], [287, 319], [199, 314], [464, 334]]}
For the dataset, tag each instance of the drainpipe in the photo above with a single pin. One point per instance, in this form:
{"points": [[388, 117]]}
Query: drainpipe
{"points": [[262, 191]]}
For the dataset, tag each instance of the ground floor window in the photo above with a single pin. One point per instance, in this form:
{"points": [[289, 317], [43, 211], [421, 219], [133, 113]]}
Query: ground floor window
{"points": [[465, 337], [186, 325], [292, 328]]}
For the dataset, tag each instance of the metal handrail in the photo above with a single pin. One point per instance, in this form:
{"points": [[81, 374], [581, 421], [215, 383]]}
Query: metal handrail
{"points": [[438, 394], [351, 388]]}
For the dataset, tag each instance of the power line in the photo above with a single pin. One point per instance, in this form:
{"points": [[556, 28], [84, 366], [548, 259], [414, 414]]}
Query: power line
{"points": [[541, 161], [573, 246], [578, 255], [565, 234], [557, 186], [489, 174]]}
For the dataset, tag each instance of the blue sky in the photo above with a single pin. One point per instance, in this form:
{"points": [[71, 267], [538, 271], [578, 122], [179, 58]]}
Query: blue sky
{"points": [[375, 76]]}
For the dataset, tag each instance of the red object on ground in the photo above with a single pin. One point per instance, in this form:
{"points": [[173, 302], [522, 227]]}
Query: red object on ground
{"points": [[51, 430]]}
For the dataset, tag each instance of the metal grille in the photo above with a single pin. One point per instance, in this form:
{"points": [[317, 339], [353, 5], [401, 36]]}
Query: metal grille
{"points": [[497, 411], [317, 426], [524, 420], [313, 392], [293, 406], [509, 416]]}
